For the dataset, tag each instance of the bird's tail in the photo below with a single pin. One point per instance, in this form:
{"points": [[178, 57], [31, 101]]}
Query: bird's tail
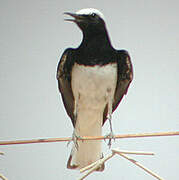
{"points": [[87, 152]]}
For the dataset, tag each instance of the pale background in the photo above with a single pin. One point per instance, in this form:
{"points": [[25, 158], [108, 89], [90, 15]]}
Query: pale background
{"points": [[33, 35]]}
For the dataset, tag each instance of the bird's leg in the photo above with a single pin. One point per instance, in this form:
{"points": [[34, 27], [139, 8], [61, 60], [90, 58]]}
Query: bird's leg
{"points": [[109, 117], [75, 137], [111, 135]]}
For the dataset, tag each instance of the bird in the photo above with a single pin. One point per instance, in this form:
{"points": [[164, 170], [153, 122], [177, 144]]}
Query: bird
{"points": [[92, 80]]}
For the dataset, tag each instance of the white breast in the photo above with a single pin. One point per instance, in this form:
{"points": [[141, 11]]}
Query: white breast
{"points": [[93, 87], [93, 84]]}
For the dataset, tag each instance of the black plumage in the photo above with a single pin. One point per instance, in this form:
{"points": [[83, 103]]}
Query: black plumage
{"points": [[94, 50]]}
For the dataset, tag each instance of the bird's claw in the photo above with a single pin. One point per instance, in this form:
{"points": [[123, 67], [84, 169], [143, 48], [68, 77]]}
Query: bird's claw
{"points": [[75, 139], [111, 137]]}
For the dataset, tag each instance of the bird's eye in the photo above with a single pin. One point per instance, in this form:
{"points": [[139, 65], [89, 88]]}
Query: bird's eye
{"points": [[93, 14]]}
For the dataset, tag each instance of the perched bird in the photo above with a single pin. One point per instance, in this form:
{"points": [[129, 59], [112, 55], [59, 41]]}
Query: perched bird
{"points": [[92, 80]]}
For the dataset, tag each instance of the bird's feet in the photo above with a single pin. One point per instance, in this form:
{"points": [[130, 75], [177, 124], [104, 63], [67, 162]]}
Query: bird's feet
{"points": [[110, 137], [75, 139]]}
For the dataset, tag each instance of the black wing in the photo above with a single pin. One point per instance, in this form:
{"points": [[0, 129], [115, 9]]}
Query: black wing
{"points": [[125, 76], [64, 81]]}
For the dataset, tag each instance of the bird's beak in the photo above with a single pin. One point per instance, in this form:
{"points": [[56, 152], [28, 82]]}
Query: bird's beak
{"points": [[77, 18]]}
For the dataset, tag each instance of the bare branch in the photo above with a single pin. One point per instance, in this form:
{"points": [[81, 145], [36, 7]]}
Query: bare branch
{"points": [[3, 177], [116, 150], [141, 166], [92, 167], [95, 165], [48, 140]]}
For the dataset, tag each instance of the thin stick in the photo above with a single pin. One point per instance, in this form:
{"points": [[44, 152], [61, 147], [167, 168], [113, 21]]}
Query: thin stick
{"points": [[131, 152], [89, 166], [3, 177], [48, 140], [98, 163], [32, 141], [141, 166], [96, 166]]}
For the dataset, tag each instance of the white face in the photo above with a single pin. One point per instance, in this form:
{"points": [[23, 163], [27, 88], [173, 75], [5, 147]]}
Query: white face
{"points": [[89, 11]]}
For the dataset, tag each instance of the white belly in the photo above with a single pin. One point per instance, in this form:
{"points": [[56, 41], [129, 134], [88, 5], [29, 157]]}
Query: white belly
{"points": [[93, 85], [93, 88]]}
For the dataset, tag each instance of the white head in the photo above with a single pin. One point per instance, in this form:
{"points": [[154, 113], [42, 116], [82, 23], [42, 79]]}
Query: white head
{"points": [[89, 20], [90, 11]]}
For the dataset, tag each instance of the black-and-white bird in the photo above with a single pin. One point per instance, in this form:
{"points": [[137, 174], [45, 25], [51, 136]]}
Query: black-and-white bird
{"points": [[92, 80]]}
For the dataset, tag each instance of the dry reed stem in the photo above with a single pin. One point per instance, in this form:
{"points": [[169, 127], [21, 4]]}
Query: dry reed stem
{"points": [[48, 140], [101, 161], [141, 166], [3, 177], [92, 167], [116, 150], [95, 165]]}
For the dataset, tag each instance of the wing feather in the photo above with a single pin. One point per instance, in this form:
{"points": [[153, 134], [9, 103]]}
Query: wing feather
{"points": [[64, 82], [125, 76]]}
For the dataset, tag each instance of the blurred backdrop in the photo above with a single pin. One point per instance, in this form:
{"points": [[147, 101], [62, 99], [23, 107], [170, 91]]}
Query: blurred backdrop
{"points": [[33, 36]]}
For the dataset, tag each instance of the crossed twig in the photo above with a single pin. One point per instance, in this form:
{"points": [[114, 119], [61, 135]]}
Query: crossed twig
{"points": [[92, 167]]}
